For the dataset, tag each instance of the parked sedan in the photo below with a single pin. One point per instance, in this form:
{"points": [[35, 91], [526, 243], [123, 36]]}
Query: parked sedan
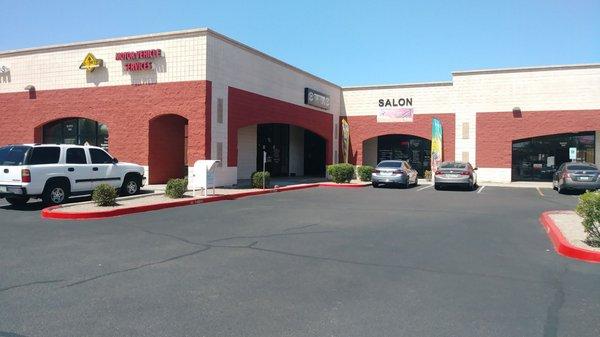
{"points": [[454, 173], [576, 176], [394, 172]]}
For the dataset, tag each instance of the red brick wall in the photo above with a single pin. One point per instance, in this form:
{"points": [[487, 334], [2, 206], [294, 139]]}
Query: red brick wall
{"points": [[246, 108], [366, 127], [126, 110], [497, 130]]}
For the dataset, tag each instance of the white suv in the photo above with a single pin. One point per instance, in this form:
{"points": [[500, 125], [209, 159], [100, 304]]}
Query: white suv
{"points": [[55, 172]]}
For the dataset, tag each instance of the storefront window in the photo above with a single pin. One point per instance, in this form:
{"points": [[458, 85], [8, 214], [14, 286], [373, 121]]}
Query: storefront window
{"points": [[415, 150], [538, 158], [76, 131]]}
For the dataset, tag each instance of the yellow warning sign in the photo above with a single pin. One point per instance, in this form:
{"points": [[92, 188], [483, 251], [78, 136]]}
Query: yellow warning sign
{"points": [[90, 62]]}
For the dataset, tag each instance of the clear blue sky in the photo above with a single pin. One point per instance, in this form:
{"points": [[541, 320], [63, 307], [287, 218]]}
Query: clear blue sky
{"points": [[347, 42]]}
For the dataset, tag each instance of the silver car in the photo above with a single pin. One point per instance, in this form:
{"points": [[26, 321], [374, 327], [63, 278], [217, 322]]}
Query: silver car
{"points": [[576, 176], [455, 173], [394, 172]]}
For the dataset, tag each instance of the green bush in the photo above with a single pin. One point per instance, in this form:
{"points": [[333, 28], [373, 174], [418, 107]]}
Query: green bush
{"points": [[341, 173], [589, 209], [104, 195], [257, 179], [365, 172], [176, 188], [427, 175]]}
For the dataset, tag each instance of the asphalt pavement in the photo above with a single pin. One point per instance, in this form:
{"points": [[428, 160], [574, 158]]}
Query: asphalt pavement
{"points": [[314, 262]]}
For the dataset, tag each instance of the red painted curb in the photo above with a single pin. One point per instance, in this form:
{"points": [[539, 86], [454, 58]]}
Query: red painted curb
{"points": [[54, 213], [562, 245]]}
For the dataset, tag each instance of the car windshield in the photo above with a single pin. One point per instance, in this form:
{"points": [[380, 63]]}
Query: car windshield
{"points": [[452, 165], [13, 155], [582, 167], [390, 164]]}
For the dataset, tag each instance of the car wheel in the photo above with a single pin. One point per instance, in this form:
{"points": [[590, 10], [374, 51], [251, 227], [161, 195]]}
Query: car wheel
{"points": [[55, 193], [560, 190], [131, 186], [18, 201], [437, 187], [375, 185]]}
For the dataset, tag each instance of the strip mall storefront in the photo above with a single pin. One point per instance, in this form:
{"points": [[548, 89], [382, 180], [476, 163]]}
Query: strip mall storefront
{"points": [[167, 100]]}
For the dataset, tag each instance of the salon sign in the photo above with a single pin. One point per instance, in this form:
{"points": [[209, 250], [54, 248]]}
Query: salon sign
{"points": [[395, 110]]}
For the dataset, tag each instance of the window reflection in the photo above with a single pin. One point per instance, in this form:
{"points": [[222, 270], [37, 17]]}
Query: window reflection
{"points": [[76, 131], [538, 158]]}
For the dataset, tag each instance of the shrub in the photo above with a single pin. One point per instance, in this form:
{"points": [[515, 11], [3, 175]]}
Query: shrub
{"points": [[365, 172], [427, 175], [257, 179], [341, 173], [589, 209], [176, 188], [104, 195]]}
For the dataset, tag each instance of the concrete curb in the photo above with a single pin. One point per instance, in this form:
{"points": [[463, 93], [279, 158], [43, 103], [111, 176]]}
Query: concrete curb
{"points": [[562, 245], [54, 212]]}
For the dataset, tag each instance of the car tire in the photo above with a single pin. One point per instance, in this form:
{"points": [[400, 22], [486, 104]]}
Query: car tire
{"points": [[560, 190], [437, 187], [375, 185], [55, 193], [131, 186], [18, 201]]}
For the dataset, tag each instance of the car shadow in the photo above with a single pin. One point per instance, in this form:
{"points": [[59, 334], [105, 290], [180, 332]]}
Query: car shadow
{"points": [[457, 189]]}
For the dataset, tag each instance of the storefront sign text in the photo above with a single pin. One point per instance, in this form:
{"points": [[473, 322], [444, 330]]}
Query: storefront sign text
{"points": [[4, 70], [138, 55], [395, 102], [317, 99]]}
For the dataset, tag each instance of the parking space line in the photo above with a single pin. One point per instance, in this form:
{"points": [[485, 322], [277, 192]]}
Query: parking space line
{"points": [[539, 191], [426, 187], [480, 189]]}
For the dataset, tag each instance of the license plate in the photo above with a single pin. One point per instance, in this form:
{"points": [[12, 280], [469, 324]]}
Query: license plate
{"points": [[452, 175], [3, 189], [386, 173], [584, 178]]}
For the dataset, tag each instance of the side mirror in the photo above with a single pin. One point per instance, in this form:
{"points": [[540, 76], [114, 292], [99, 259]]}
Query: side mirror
{"points": [[475, 168], [115, 160]]}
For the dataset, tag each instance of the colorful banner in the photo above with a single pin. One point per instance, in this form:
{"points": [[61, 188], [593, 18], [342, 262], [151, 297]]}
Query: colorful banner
{"points": [[395, 115], [436, 144], [345, 140]]}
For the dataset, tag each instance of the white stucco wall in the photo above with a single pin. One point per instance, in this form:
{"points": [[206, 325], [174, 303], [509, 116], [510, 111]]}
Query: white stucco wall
{"points": [[57, 67], [246, 152], [428, 98], [370, 152]]}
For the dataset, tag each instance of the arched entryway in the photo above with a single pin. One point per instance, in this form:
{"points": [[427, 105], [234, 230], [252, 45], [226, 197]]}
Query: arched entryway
{"points": [[291, 150], [75, 131], [416, 150], [167, 153]]}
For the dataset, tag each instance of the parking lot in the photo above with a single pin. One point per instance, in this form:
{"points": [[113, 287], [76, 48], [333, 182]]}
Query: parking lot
{"points": [[314, 262]]}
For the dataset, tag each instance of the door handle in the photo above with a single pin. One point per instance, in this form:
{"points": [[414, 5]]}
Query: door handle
{"points": [[94, 169], [71, 169]]}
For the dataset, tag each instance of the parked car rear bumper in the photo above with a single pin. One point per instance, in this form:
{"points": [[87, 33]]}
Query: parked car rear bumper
{"points": [[461, 180], [392, 179], [12, 191], [581, 185]]}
